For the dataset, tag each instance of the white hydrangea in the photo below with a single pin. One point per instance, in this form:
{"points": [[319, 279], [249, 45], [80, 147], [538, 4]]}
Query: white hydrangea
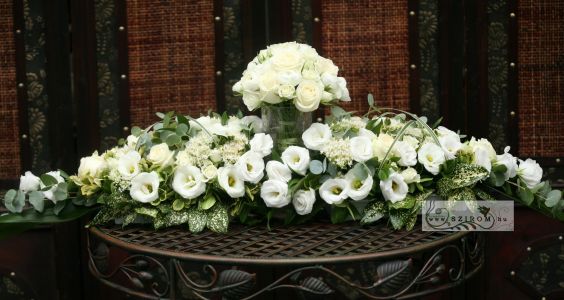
{"points": [[338, 152]]}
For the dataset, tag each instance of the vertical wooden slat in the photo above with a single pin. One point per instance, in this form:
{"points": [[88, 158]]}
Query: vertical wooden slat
{"points": [[123, 66], [219, 56], [512, 82], [414, 57]]}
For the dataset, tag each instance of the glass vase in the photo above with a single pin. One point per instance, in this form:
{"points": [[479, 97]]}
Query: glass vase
{"points": [[285, 124]]}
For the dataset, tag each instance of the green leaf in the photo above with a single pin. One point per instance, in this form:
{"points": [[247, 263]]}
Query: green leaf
{"points": [[370, 100], [181, 129], [552, 198], [136, 131], [160, 115], [14, 201], [31, 216], [218, 219], [338, 112], [147, 211], [339, 214], [406, 203], [400, 218], [496, 179], [207, 202], [37, 200], [483, 195], [437, 123], [526, 195], [59, 206], [197, 220], [48, 180], [373, 212], [173, 140], [499, 168], [316, 167], [60, 192], [178, 204], [384, 173], [463, 175], [182, 119], [172, 218], [464, 193]]}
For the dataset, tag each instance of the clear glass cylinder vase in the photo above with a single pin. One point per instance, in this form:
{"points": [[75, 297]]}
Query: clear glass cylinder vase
{"points": [[285, 124]]}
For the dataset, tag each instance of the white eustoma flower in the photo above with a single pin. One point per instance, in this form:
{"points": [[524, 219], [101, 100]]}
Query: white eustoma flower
{"points": [[29, 182], [274, 193], [128, 165], [316, 136], [406, 153], [482, 158], [381, 145], [345, 96], [367, 133], [303, 201], [160, 155], [92, 166], [308, 95], [334, 190], [451, 144], [361, 148], [188, 182], [530, 172], [132, 141], [278, 171], [262, 144], [325, 65], [250, 167], [510, 163], [394, 188], [358, 188], [228, 178], [145, 187], [296, 158], [254, 122], [252, 100], [483, 144], [410, 175], [411, 140], [431, 157], [49, 194]]}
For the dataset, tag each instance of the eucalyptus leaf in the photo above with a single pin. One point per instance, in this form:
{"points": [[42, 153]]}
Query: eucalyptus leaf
{"points": [[48, 180], [59, 206], [552, 198], [496, 179], [207, 202], [31, 216], [173, 140], [37, 200], [136, 131], [370, 100], [316, 167], [526, 195], [60, 192]]}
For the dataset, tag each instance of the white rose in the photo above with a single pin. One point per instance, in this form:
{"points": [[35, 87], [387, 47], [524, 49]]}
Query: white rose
{"points": [[394, 188], [308, 94], [451, 144], [325, 65], [334, 190], [291, 78], [128, 165], [410, 175], [361, 148], [529, 172], [274, 193], [296, 158], [29, 182], [188, 182], [160, 155], [278, 171], [411, 140], [270, 97], [303, 201], [287, 91], [49, 194], [268, 82], [254, 122], [358, 188], [344, 90], [209, 172], [510, 163], [250, 167], [262, 144], [145, 187], [92, 166], [406, 153], [331, 83], [251, 100], [228, 179], [287, 60], [381, 144], [316, 136], [431, 157]]}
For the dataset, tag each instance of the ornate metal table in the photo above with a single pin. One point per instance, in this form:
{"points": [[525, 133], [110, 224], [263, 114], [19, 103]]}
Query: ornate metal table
{"points": [[340, 261]]}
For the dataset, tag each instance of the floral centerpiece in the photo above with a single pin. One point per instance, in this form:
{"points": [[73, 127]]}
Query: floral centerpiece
{"points": [[289, 81]]}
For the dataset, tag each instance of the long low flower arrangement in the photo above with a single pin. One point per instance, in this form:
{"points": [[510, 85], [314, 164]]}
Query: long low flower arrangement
{"points": [[210, 170]]}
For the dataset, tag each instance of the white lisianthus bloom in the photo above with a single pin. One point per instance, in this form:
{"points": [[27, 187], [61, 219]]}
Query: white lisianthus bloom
{"points": [[132, 141], [209, 172], [49, 194], [410, 175], [253, 122], [92, 166], [345, 96], [287, 91], [325, 65], [160, 155], [510, 163], [530, 172], [334, 190], [128, 165], [361, 148], [29, 182], [431, 157], [331, 84], [238, 87], [251, 100], [411, 140], [308, 95], [303, 201], [262, 144], [188, 182], [296, 158], [367, 133], [278, 171], [381, 144], [206, 122], [250, 167], [483, 144], [316, 136], [228, 179], [274, 193], [451, 144], [358, 188], [443, 131], [482, 158], [406, 153], [394, 188], [145, 187], [291, 78]]}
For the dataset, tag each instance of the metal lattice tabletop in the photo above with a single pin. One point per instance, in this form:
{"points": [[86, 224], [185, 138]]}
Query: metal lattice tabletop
{"points": [[404, 263]]}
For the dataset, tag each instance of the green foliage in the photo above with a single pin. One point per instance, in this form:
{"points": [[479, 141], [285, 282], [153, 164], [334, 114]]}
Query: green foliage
{"points": [[197, 220], [218, 219], [373, 212], [463, 175], [37, 200]]}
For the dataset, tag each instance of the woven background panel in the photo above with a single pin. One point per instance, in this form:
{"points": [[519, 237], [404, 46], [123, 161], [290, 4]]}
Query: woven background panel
{"points": [[9, 141], [369, 43], [541, 78], [171, 58]]}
